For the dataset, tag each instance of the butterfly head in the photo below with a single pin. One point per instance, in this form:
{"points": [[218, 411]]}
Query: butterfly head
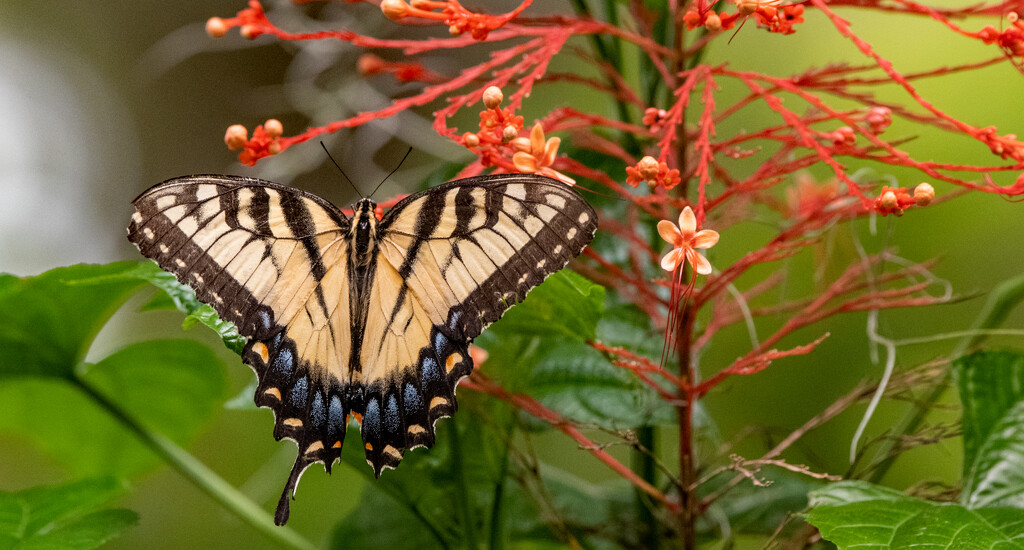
{"points": [[364, 230]]}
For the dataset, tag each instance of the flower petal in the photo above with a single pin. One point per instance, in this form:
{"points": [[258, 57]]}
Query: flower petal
{"points": [[550, 150], [705, 238], [524, 162], [672, 260], [557, 175], [669, 232], [687, 223], [700, 263], [537, 140]]}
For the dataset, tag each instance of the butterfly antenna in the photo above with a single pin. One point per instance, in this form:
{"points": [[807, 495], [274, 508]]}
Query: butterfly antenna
{"points": [[392, 172], [338, 166]]}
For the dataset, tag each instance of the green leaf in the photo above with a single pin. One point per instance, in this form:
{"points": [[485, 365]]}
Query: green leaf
{"points": [[227, 331], [170, 386], [184, 299], [540, 348], [577, 381], [857, 514], [426, 499], [566, 305], [62, 517], [48, 321], [991, 388], [1000, 303]]}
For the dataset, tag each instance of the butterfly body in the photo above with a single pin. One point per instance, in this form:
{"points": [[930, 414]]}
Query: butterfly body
{"points": [[355, 317]]}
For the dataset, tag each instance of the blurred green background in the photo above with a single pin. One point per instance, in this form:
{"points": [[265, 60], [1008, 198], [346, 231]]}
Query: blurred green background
{"points": [[103, 99]]}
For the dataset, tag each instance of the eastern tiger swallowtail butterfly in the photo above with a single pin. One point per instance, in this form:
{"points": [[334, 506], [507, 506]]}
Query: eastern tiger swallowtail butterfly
{"points": [[355, 316]]}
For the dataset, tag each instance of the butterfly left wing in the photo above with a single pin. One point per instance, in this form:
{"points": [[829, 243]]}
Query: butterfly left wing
{"points": [[452, 260], [272, 260]]}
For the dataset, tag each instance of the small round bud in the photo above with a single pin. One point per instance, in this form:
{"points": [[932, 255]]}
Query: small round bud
{"points": [[493, 97], [713, 22], [216, 27], [274, 148], [879, 118], [454, 30], [1012, 17], [844, 135], [924, 194], [508, 133], [520, 144], [746, 7], [248, 31], [369, 64], [649, 168], [273, 128], [469, 139], [394, 9], [889, 200], [236, 136]]}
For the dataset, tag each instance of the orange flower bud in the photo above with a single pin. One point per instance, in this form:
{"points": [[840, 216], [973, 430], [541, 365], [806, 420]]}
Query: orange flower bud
{"points": [[216, 27], [924, 194], [454, 30], [648, 167], [469, 139], [493, 97], [713, 22], [1012, 17], [248, 31], [274, 148], [274, 128], [369, 64], [889, 200], [509, 133], [394, 9], [236, 136]]}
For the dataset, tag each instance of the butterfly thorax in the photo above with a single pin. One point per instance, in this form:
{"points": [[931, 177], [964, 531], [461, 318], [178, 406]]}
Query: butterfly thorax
{"points": [[363, 232]]}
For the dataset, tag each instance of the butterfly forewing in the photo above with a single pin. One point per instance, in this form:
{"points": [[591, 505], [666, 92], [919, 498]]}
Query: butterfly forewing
{"points": [[328, 335]]}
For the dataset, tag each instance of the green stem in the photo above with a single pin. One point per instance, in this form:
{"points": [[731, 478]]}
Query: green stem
{"points": [[199, 474], [462, 496], [611, 52], [643, 465], [497, 541]]}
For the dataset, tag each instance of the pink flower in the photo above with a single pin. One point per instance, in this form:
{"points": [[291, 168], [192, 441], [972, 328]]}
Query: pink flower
{"points": [[685, 239]]}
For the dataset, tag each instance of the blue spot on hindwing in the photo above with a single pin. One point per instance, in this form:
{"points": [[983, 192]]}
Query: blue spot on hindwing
{"points": [[431, 373], [299, 392], [371, 420], [284, 362], [335, 417], [454, 320], [392, 418], [440, 343], [317, 414], [411, 398]]}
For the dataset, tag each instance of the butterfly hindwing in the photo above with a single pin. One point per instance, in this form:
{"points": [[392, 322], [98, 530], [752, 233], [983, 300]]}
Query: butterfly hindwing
{"points": [[353, 316]]}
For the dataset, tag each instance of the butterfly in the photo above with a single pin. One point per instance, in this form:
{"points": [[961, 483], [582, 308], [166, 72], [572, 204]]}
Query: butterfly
{"points": [[354, 316]]}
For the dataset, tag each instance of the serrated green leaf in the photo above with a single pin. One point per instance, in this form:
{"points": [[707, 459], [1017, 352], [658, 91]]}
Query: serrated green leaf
{"points": [[171, 386], [183, 298], [48, 321], [991, 388], [566, 305], [856, 514], [227, 331], [63, 517], [577, 381]]}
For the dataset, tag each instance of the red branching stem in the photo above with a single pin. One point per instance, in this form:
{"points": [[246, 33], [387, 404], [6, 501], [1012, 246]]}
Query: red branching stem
{"points": [[483, 384]]}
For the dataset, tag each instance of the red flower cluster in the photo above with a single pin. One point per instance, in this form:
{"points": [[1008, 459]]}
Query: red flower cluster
{"points": [[459, 19], [656, 173], [266, 140]]}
